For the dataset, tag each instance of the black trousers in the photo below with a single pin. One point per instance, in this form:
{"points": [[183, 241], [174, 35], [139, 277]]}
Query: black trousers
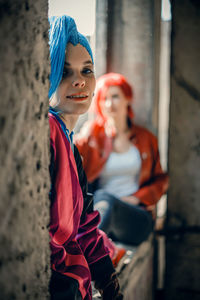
{"points": [[123, 222]]}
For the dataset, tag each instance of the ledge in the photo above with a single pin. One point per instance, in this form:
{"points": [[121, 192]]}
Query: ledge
{"points": [[135, 272]]}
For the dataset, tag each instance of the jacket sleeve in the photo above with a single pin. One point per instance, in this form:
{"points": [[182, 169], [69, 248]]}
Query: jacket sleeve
{"points": [[67, 257], [89, 236], [152, 189], [61, 280]]}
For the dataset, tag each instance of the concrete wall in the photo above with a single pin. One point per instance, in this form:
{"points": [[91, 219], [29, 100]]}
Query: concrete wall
{"points": [[182, 267], [136, 271], [101, 37], [24, 181], [133, 43], [183, 260], [184, 139]]}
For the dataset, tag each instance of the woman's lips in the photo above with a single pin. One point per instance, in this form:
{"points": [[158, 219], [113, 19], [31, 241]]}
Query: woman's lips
{"points": [[77, 97]]}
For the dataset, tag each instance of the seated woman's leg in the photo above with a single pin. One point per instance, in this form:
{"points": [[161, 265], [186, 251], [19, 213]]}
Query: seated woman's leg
{"points": [[103, 202], [130, 224], [122, 221]]}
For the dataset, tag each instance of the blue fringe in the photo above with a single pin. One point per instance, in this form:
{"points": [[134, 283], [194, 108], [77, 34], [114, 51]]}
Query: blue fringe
{"points": [[62, 31]]}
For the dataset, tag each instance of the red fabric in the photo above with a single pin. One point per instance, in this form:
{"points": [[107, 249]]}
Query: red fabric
{"points": [[74, 244], [95, 147], [116, 253]]}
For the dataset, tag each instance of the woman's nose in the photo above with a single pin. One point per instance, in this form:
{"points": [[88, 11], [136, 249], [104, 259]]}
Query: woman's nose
{"points": [[108, 103], [78, 82]]}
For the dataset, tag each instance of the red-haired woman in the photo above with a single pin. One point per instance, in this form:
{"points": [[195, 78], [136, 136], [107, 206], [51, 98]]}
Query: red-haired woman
{"points": [[121, 161]]}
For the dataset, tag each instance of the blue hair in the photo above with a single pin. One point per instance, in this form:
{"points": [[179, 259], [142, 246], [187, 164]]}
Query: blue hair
{"points": [[62, 31]]}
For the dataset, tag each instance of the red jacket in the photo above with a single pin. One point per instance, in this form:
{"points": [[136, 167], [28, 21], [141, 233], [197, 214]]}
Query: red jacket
{"points": [[95, 147], [77, 246]]}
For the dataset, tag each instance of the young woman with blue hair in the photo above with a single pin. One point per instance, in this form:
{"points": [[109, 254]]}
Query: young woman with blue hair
{"points": [[78, 253]]}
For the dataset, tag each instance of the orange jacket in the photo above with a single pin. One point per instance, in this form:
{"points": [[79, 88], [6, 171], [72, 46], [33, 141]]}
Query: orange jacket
{"points": [[95, 147]]}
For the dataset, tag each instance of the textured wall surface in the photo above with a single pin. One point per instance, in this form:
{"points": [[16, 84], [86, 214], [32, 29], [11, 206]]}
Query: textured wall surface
{"points": [[131, 50], [184, 147], [183, 264], [136, 278], [182, 251], [101, 37], [24, 157]]}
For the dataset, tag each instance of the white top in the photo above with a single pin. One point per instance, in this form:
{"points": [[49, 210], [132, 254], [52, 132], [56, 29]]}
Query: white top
{"points": [[120, 176]]}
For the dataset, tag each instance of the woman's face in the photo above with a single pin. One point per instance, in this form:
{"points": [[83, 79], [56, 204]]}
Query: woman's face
{"points": [[75, 92], [115, 104]]}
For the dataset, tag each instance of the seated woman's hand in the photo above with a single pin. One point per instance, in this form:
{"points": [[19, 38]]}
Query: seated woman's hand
{"points": [[152, 210], [131, 199]]}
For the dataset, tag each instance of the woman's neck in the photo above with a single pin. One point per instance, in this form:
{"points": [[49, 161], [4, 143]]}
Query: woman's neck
{"points": [[69, 120], [120, 126]]}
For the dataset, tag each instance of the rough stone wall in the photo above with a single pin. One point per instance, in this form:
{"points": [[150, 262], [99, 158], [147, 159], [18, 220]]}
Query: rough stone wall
{"points": [[101, 37], [184, 139], [183, 264], [182, 256], [24, 179], [132, 49], [136, 273]]}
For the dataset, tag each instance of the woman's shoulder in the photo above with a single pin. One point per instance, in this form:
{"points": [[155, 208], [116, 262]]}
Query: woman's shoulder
{"points": [[53, 125], [144, 133], [90, 129], [144, 130], [52, 120]]}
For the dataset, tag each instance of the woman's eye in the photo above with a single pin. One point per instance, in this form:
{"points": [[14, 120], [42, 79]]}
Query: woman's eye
{"points": [[115, 96], [66, 72], [87, 71]]}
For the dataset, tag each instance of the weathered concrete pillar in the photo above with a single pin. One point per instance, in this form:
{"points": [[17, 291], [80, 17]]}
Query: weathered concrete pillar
{"points": [[24, 179], [133, 49], [101, 37], [184, 139], [183, 257]]}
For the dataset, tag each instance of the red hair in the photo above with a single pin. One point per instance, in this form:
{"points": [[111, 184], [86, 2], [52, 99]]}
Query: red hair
{"points": [[103, 83]]}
